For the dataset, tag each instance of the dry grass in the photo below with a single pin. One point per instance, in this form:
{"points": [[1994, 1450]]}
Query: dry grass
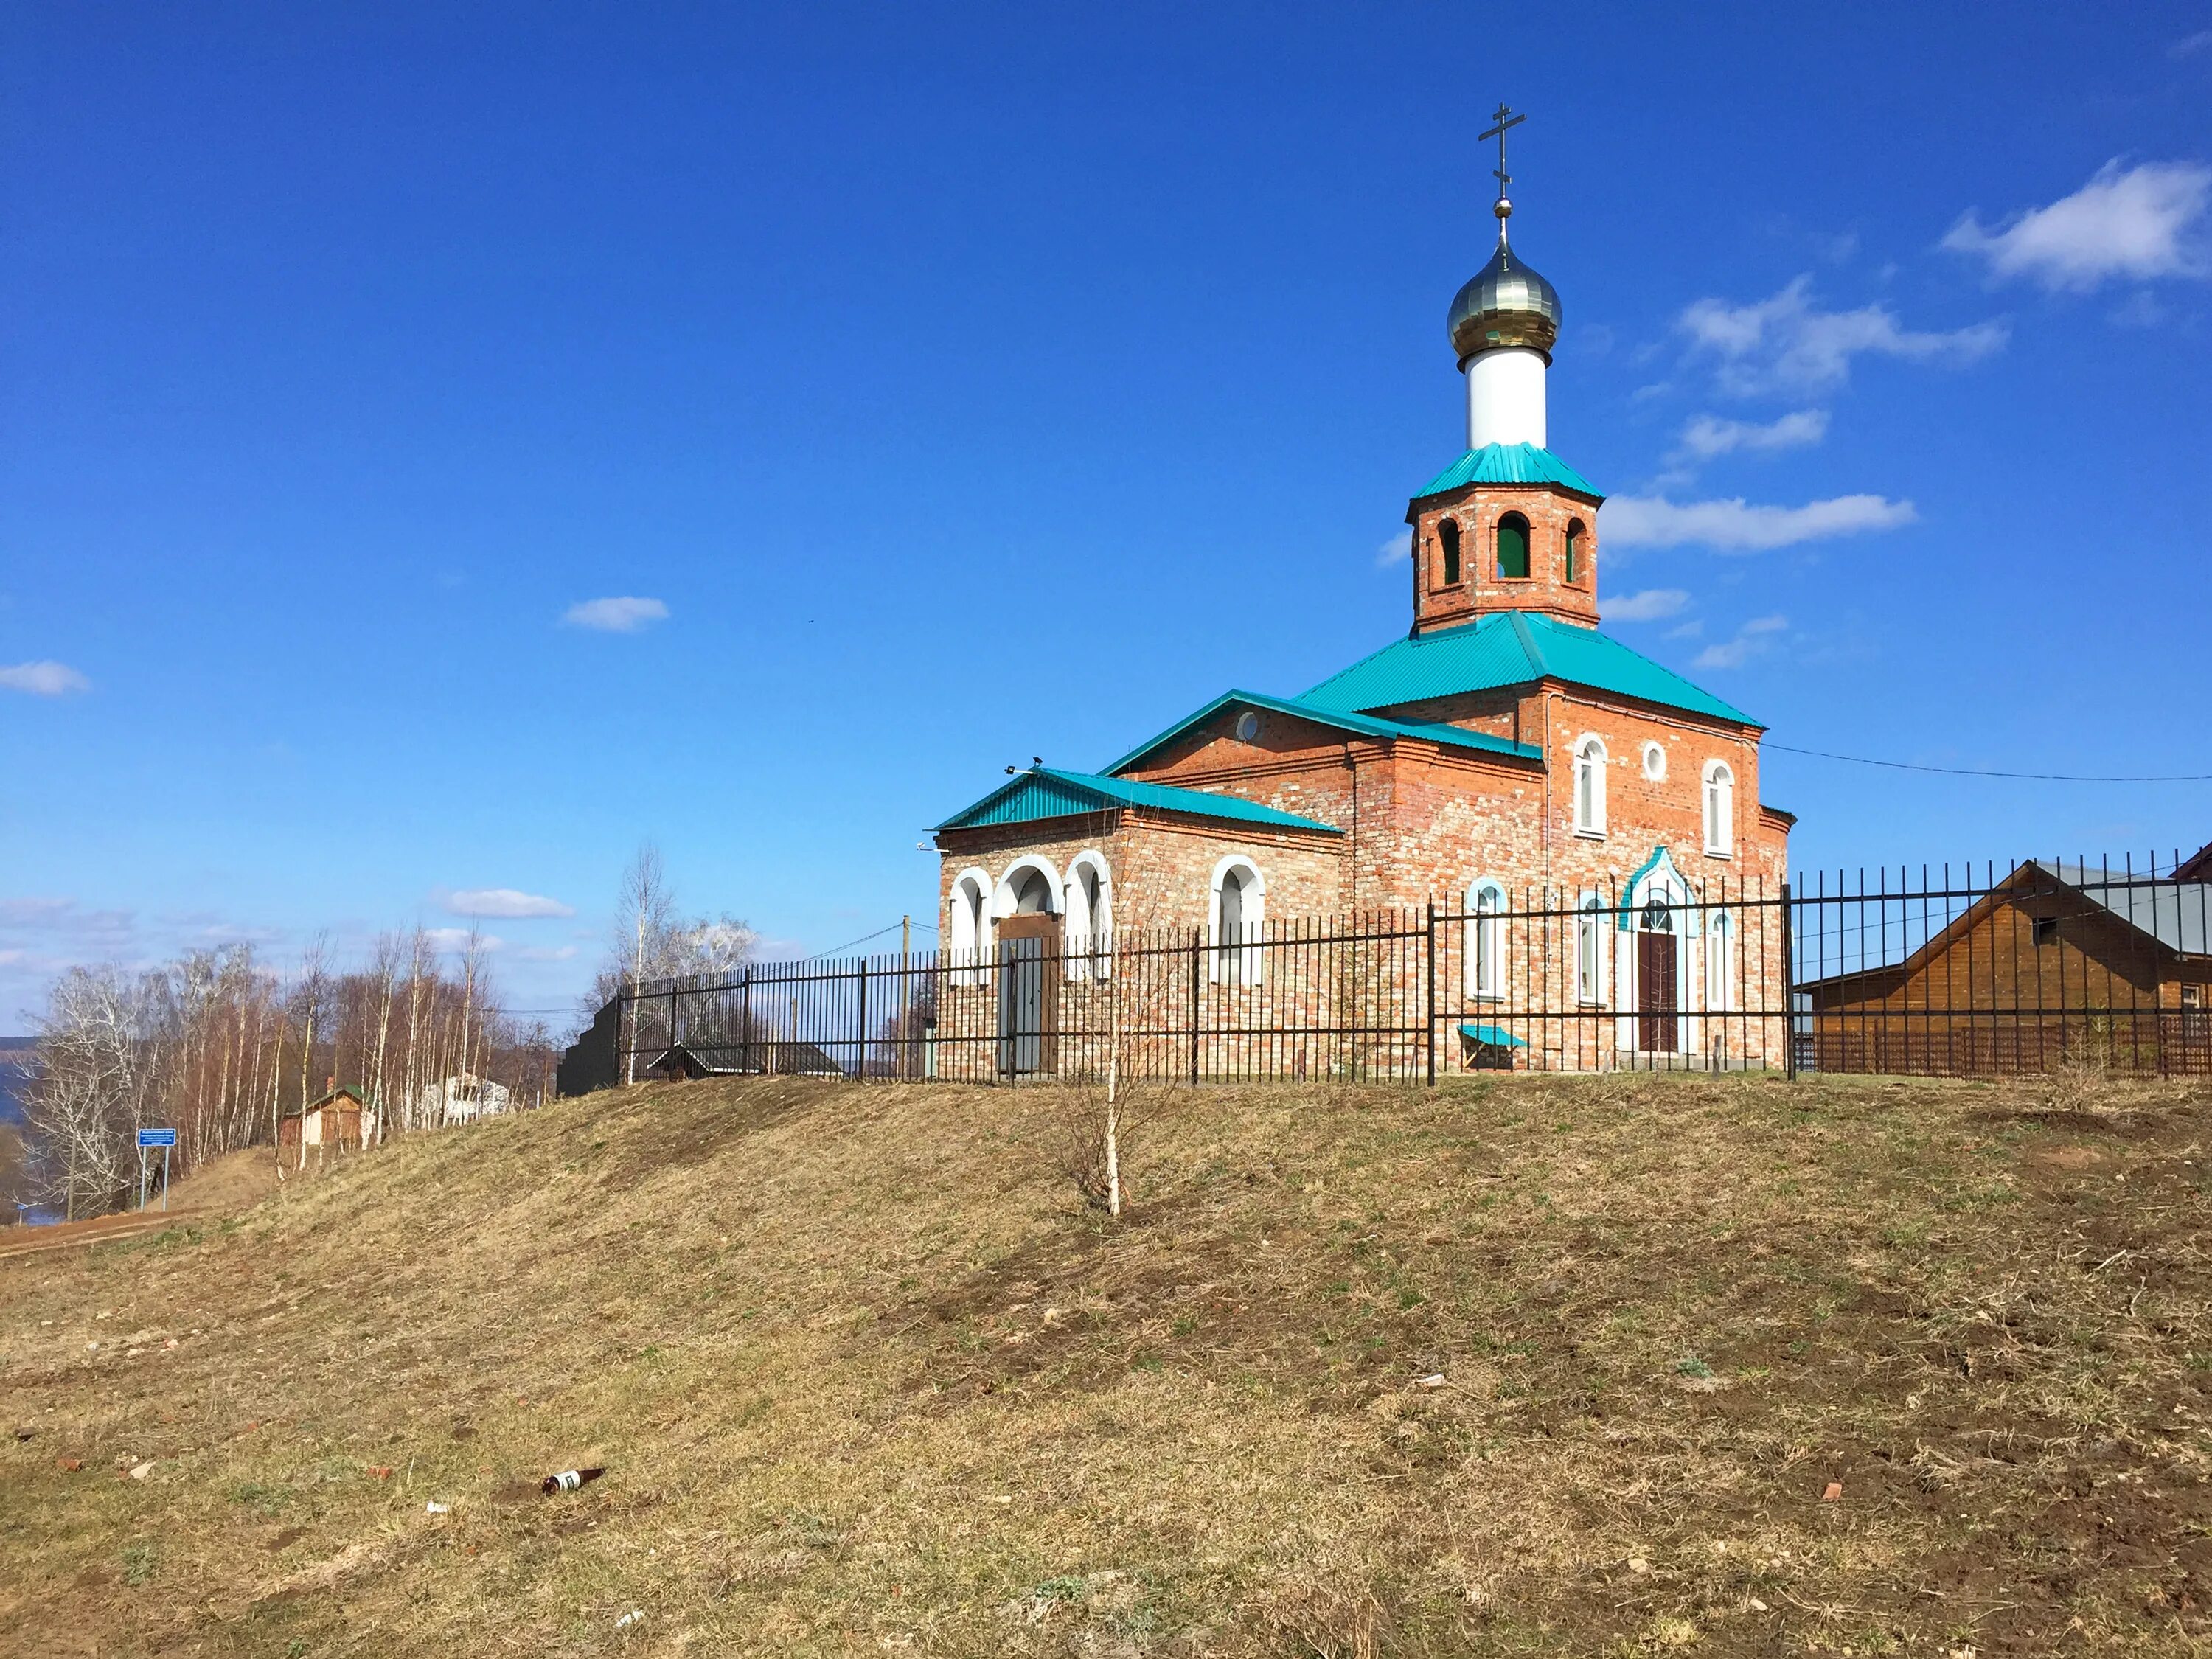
{"points": [[872, 1377]]}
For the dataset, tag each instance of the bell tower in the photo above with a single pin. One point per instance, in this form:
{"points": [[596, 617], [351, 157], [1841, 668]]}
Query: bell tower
{"points": [[1509, 526]]}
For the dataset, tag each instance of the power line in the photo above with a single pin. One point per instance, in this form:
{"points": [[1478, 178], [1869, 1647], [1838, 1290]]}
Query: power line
{"points": [[1982, 772], [864, 939]]}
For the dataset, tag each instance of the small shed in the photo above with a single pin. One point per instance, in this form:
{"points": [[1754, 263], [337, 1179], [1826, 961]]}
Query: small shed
{"points": [[335, 1122], [681, 1062]]}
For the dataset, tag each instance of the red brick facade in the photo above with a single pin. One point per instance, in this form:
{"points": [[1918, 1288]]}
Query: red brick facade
{"points": [[1411, 821], [1477, 512]]}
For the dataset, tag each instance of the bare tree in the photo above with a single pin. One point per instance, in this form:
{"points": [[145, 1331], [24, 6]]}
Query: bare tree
{"points": [[642, 920], [89, 1091], [1118, 1086]]}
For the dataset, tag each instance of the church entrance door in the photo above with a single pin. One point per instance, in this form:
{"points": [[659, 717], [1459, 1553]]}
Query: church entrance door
{"points": [[1659, 1027], [1029, 993]]}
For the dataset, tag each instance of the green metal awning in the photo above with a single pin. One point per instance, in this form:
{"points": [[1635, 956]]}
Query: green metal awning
{"points": [[1491, 1037]]}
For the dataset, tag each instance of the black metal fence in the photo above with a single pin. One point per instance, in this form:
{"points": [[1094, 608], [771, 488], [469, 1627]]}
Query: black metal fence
{"points": [[1966, 973]]}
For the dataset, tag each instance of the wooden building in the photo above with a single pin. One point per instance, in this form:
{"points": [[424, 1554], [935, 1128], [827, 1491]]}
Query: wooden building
{"points": [[2056, 963], [335, 1122]]}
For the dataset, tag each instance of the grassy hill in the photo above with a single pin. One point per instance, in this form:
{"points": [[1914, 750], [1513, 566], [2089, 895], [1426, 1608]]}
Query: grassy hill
{"points": [[1731, 1366]]}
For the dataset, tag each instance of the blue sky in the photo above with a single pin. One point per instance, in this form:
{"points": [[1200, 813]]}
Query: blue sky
{"points": [[959, 384]]}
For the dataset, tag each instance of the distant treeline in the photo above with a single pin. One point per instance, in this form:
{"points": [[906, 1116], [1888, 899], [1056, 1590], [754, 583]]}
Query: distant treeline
{"points": [[218, 1046]]}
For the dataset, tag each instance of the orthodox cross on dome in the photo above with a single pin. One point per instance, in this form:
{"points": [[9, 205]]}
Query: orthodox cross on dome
{"points": [[1506, 120]]}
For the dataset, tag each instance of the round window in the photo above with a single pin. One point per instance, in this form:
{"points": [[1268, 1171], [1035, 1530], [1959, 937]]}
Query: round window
{"points": [[1248, 727], [1655, 761]]}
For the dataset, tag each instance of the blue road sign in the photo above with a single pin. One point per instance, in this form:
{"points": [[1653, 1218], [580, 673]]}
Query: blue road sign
{"points": [[157, 1137]]}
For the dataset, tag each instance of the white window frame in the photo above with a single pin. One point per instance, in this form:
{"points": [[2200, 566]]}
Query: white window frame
{"points": [[1654, 761], [1254, 919], [1591, 933], [968, 922], [1720, 962], [1090, 930], [1485, 940], [1588, 802], [1718, 798]]}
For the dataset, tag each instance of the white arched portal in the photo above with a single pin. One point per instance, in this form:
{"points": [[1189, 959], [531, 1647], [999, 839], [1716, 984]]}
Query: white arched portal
{"points": [[968, 935], [1659, 916], [1236, 913], [1088, 909], [1015, 892]]}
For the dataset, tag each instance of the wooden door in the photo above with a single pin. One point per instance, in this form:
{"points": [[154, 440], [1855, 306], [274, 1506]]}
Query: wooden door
{"points": [[1657, 996], [1028, 993]]}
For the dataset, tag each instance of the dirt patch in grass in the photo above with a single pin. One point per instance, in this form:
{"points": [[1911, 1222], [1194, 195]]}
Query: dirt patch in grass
{"points": [[1601, 1365]]}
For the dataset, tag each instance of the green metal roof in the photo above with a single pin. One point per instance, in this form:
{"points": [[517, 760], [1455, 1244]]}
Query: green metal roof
{"points": [[1508, 464], [1047, 792], [1370, 726], [1510, 647]]}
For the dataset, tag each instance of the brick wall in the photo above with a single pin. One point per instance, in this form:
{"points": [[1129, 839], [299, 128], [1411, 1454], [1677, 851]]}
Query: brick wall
{"points": [[1477, 510]]}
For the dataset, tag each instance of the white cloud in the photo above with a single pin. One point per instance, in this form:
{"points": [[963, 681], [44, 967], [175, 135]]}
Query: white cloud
{"points": [[1396, 548], [1708, 435], [505, 901], [1787, 342], [44, 679], [546, 953], [1737, 526], [2190, 45], [616, 616], [1652, 604], [1754, 637], [2135, 223], [455, 940]]}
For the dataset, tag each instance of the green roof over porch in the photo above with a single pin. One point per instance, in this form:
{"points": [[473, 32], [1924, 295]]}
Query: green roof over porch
{"points": [[1367, 725], [1047, 792]]}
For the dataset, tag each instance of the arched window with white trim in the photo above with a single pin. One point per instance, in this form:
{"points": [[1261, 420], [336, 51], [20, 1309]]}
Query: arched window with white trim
{"points": [[1238, 911], [1720, 962], [968, 925], [1720, 809], [1485, 939], [1589, 786], [1089, 912], [1589, 948]]}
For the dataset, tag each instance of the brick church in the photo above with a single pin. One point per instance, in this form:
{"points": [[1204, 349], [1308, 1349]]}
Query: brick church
{"points": [[1504, 755]]}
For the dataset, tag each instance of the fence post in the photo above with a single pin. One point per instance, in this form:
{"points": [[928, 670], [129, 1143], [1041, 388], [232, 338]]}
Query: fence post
{"points": [[860, 1065], [746, 1005], [1429, 1028], [1788, 995], [1197, 942]]}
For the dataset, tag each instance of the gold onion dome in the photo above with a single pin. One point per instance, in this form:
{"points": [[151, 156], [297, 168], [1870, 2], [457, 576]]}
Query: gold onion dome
{"points": [[1506, 304]]}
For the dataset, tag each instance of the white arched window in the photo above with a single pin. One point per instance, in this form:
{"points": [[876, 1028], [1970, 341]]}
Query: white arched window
{"points": [[1589, 786], [1090, 911], [1589, 948], [969, 927], [1720, 962], [1485, 939], [1236, 912], [1720, 809]]}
